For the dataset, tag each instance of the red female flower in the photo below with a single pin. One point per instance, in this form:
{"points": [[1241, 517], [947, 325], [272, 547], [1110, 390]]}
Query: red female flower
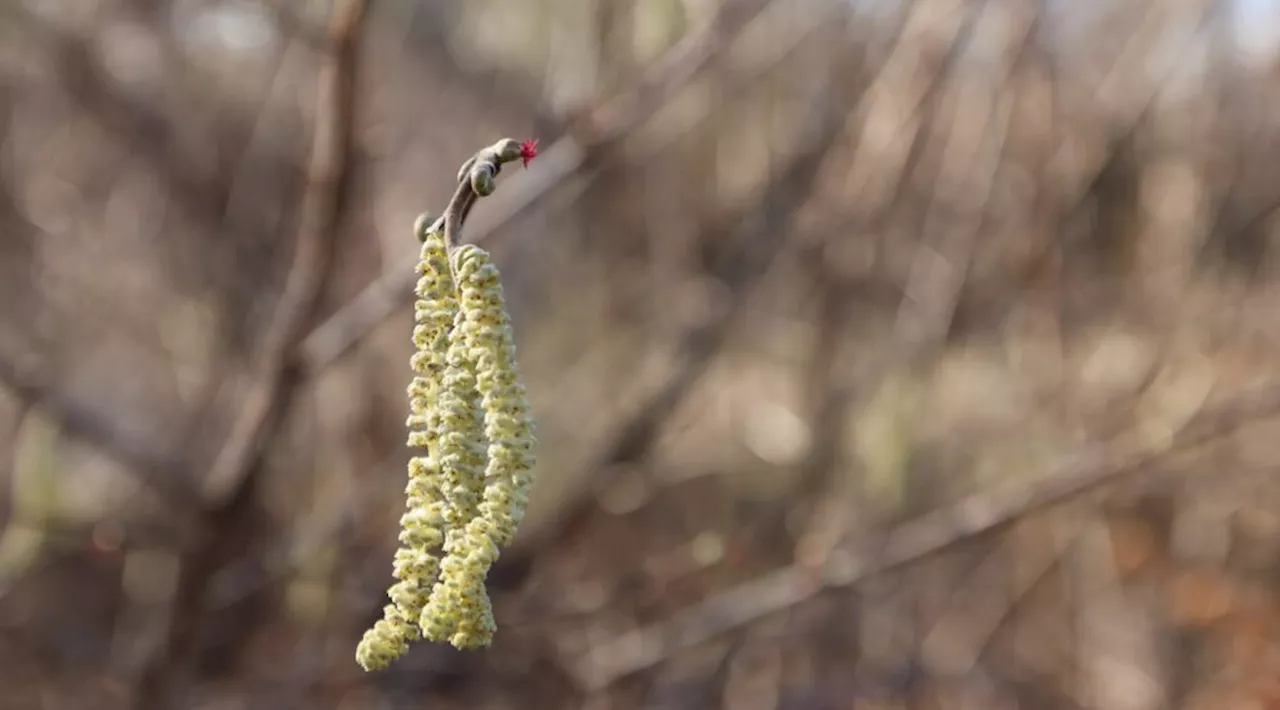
{"points": [[528, 150]]}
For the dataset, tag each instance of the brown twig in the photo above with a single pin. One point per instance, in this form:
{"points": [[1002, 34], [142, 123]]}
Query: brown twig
{"points": [[232, 477], [612, 123], [835, 400], [159, 472], [762, 235], [913, 541], [319, 212], [631, 438], [203, 197], [149, 133], [673, 70]]}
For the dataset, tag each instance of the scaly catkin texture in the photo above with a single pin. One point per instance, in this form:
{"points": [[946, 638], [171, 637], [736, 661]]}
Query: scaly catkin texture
{"points": [[422, 525], [459, 609], [462, 461], [486, 327], [469, 411]]}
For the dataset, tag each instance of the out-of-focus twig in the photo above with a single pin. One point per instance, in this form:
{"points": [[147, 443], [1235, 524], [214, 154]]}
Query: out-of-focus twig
{"points": [[22, 524], [150, 134], [1139, 101], [929, 534], [612, 123], [205, 197], [230, 480], [762, 234], [633, 436], [322, 204], [834, 399], [156, 471]]}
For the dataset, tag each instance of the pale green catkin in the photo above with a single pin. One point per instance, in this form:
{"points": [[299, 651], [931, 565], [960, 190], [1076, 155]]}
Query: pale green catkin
{"points": [[422, 525], [507, 420], [467, 408], [459, 609], [462, 461]]}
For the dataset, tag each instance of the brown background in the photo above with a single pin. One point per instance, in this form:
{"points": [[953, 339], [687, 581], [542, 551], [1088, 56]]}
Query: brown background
{"points": [[884, 355]]}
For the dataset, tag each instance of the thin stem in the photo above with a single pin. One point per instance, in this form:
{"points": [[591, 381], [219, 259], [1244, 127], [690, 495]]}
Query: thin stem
{"points": [[464, 198], [476, 178]]}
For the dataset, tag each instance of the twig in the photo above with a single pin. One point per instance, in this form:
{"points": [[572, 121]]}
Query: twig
{"points": [[928, 534], [157, 471], [762, 234], [148, 132], [835, 400], [205, 198], [229, 485], [632, 438], [319, 212], [673, 70], [614, 122]]}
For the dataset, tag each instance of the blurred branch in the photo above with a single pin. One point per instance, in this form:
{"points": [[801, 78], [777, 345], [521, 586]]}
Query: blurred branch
{"points": [[429, 29], [230, 481], [762, 231], [611, 124], [21, 536], [1132, 102], [156, 470], [146, 130], [430, 33], [620, 117], [322, 205], [833, 400], [205, 196], [1070, 186], [931, 533]]}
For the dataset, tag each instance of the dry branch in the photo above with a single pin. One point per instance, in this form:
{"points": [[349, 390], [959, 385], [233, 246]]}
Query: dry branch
{"points": [[929, 534], [158, 472], [764, 227], [762, 231], [612, 123], [835, 400], [230, 480], [321, 207]]}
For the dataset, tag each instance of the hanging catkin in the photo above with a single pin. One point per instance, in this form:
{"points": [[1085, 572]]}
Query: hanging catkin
{"points": [[468, 410]]}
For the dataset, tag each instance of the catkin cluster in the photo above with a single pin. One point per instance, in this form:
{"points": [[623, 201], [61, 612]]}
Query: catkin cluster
{"points": [[467, 495]]}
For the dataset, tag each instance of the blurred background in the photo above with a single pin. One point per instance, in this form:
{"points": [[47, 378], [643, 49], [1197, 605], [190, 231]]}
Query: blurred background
{"points": [[918, 354]]}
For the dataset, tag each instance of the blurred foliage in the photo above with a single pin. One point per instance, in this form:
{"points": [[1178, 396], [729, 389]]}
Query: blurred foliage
{"points": [[872, 261]]}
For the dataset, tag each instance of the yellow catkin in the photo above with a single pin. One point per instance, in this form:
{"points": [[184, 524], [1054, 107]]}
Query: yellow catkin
{"points": [[462, 459], [467, 496], [475, 625], [486, 327], [422, 525], [459, 609]]}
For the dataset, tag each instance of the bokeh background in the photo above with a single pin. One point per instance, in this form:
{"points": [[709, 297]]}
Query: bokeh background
{"points": [[918, 354]]}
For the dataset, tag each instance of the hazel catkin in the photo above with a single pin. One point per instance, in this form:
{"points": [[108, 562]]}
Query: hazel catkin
{"points": [[486, 328], [423, 523], [468, 410]]}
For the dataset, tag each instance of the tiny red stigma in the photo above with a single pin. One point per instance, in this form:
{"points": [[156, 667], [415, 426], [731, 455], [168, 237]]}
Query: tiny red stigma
{"points": [[528, 150]]}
